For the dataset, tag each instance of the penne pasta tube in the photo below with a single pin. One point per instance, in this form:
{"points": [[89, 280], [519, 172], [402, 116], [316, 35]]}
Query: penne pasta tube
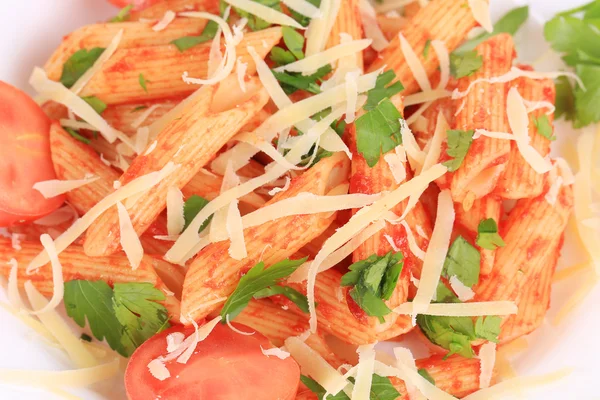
{"points": [[135, 34], [277, 324], [77, 265], [533, 300], [162, 68], [189, 142], [157, 10], [391, 26], [483, 108], [446, 20], [347, 21], [519, 179], [123, 116], [214, 273], [456, 375], [486, 207], [533, 229]]}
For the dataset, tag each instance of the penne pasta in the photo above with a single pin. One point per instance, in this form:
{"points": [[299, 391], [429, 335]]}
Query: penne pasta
{"points": [[77, 265], [157, 10], [483, 108], [135, 35], [391, 26], [188, 142], [347, 21], [214, 273], [519, 179], [445, 20]]}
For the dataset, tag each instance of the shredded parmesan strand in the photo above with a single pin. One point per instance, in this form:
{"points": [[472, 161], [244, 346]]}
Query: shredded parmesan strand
{"points": [[413, 62], [276, 352], [138, 185], [463, 292], [144, 116], [303, 7], [106, 54], [266, 13], [396, 162], [364, 372], [412, 243], [56, 187], [331, 141], [481, 13], [426, 97], [130, 242], [74, 124], [57, 275], [444, 59], [235, 230], [459, 309], [408, 374], [240, 69], [405, 357], [199, 335], [164, 22], [439, 135], [371, 27], [487, 355], [319, 29], [233, 328], [175, 217], [318, 60]]}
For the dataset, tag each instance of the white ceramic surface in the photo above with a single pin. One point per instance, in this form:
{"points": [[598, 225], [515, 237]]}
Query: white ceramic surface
{"points": [[32, 29]]}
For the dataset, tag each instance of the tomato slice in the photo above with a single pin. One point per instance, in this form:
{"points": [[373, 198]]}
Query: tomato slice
{"points": [[24, 158], [137, 4], [225, 366]]}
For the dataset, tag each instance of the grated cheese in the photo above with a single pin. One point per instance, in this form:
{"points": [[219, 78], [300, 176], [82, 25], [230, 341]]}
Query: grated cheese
{"points": [[351, 95], [319, 29], [174, 340], [487, 356], [106, 54], [552, 193], [444, 60], [435, 149], [412, 243], [315, 366], [463, 292], [364, 372], [396, 162], [371, 26], [61, 331], [426, 97], [329, 56], [130, 242], [138, 185], [158, 369], [241, 68], [175, 217], [459, 309], [233, 328], [142, 137], [481, 13], [136, 123], [164, 22], [361, 220], [57, 217], [57, 275], [519, 124], [235, 230], [404, 356], [416, 156], [414, 64], [433, 262], [266, 13], [285, 187], [276, 352], [390, 240], [74, 124], [408, 374], [303, 7], [496, 135], [56, 187], [12, 291]]}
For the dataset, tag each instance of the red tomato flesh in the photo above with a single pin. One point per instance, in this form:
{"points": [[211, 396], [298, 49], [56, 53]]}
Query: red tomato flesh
{"points": [[24, 158], [225, 366], [137, 4]]}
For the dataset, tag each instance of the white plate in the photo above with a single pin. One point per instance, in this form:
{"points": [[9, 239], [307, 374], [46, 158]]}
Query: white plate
{"points": [[32, 29]]}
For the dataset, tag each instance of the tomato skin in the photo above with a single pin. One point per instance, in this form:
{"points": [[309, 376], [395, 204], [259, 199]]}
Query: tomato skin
{"points": [[24, 158], [137, 4], [225, 366]]}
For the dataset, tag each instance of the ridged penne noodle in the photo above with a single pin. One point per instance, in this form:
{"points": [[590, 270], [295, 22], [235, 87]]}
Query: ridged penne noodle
{"points": [[519, 179], [347, 21], [54, 110], [189, 142], [122, 116], [445, 20], [156, 11], [135, 34], [162, 68], [278, 324], [170, 274], [391, 26], [77, 265], [533, 300], [533, 229], [486, 207], [456, 375], [484, 108], [214, 273], [424, 131]]}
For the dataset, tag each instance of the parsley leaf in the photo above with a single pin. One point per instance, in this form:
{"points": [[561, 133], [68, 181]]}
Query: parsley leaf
{"points": [[281, 57], [465, 64], [142, 81], [487, 235], [208, 33], [93, 300], [463, 261], [98, 105], [488, 328], [565, 99], [294, 41], [586, 101], [374, 280], [303, 19], [452, 333], [255, 280], [135, 306], [139, 108], [123, 15], [458, 146], [378, 131], [510, 23], [77, 64], [320, 391], [381, 389], [292, 294], [426, 48], [543, 127], [380, 91], [192, 206], [76, 135], [425, 374], [445, 295], [290, 82], [256, 23]]}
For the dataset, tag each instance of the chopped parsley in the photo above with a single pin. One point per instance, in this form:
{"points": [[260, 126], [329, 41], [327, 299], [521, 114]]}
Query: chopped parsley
{"points": [[544, 127], [192, 206], [256, 23], [425, 374], [487, 235], [292, 294], [123, 15], [98, 105], [381, 389], [384, 88], [458, 146], [374, 281], [139, 108], [76, 135], [208, 33], [142, 81], [463, 261], [465, 64], [77, 64], [303, 19], [257, 279], [125, 316]]}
